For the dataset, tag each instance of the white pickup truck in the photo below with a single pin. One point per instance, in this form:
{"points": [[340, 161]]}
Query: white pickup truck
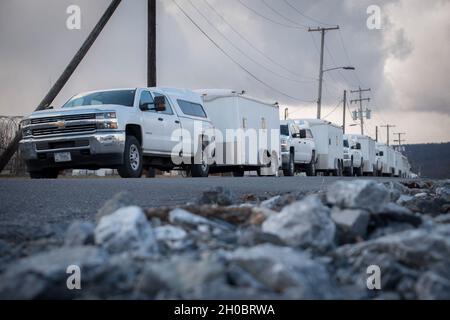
{"points": [[298, 149], [124, 129]]}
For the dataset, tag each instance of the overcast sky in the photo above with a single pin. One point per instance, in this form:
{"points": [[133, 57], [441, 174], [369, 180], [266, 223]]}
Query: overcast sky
{"points": [[405, 63]]}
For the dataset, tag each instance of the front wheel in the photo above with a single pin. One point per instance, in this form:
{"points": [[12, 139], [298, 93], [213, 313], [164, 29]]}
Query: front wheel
{"points": [[132, 162], [311, 167], [290, 170]]}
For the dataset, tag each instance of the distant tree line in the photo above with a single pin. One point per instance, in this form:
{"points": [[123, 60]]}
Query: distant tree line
{"points": [[430, 160]]}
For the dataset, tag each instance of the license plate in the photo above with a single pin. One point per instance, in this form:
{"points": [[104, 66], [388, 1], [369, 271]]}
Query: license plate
{"points": [[63, 157]]}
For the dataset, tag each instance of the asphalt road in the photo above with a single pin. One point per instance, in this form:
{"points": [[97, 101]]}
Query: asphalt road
{"points": [[29, 205]]}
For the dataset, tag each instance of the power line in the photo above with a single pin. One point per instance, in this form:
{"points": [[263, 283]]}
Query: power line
{"points": [[253, 46], [306, 16], [341, 38], [242, 51], [334, 110], [283, 16], [267, 18], [334, 64], [234, 60]]}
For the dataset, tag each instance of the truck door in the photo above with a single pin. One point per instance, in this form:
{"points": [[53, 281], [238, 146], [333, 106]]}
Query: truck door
{"points": [[296, 143], [153, 128]]}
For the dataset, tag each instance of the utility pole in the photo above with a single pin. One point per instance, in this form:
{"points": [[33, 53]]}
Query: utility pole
{"points": [[361, 111], [400, 140], [65, 76], [376, 134], [151, 43], [388, 127], [286, 114], [322, 45], [345, 110]]}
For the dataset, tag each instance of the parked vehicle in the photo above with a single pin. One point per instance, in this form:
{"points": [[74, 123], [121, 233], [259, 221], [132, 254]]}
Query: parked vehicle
{"points": [[123, 129], [328, 139], [385, 160], [247, 133], [368, 150], [298, 149], [353, 159]]}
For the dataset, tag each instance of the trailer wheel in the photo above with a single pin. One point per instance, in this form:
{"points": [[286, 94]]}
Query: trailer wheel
{"points": [[290, 170], [44, 174], [132, 162]]}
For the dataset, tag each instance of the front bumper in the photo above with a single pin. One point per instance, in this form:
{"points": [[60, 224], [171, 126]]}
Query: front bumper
{"points": [[97, 150]]}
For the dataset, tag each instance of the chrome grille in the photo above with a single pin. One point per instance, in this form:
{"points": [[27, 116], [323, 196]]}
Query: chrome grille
{"points": [[69, 129], [74, 117]]}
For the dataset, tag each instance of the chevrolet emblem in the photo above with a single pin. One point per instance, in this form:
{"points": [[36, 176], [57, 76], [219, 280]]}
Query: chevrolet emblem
{"points": [[60, 124]]}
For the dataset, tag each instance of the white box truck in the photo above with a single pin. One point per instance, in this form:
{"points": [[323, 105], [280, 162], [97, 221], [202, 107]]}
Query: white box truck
{"points": [[368, 149], [247, 132], [328, 138], [385, 160]]}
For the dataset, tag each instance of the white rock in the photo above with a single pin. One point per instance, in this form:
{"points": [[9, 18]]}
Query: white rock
{"points": [[169, 233], [183, 217], [350, 220], [303, 224], [126, 230]]}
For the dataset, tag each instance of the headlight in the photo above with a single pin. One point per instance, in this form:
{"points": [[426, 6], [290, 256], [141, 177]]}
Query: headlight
{"points": [[25, 122], [106, 115], [107, 125]]}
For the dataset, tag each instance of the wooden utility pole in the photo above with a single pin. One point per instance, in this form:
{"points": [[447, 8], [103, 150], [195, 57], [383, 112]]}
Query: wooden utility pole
{"points": [[388, 127], [322, 45], [65, 76], [151, 44], [345, 110], [361, 111]]}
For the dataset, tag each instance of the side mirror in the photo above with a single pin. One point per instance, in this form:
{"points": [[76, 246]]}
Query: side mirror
{"points": [[302, 134], [160, 103], [358, 146]]}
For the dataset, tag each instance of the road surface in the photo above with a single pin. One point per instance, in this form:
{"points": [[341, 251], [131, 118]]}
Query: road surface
{"points": [[31, 208]]}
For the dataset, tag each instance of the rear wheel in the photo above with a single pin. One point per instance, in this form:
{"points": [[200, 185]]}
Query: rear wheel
{"points": [[290, 170], [132, 163], [45, 174], [311, 167]]}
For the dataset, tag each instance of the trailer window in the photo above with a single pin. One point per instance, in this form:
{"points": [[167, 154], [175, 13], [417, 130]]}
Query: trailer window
{"points": [[192, 109], [309, 134]]}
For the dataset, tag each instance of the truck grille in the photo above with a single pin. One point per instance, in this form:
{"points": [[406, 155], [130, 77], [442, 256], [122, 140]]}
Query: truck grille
{"points": [[69, 129], [74, 117]]}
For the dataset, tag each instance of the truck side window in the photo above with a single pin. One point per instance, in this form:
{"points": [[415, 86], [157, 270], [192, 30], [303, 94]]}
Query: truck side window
{"points": [[309, 134], [192, 109], [146, 99], [168, 110]]}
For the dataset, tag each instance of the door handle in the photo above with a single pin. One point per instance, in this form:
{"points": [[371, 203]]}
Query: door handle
{"points": [[177, 121], [160, 119]]}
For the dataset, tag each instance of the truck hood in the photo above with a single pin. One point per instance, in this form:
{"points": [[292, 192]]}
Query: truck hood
{"points": [[73, 111]]}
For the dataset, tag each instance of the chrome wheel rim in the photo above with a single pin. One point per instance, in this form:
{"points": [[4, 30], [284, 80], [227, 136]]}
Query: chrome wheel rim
{"points": [[134, 157]]}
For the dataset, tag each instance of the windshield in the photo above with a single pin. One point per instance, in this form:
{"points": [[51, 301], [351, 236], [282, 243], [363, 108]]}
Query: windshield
{"points": [[120, 97], [346, 144], [284, 130]]}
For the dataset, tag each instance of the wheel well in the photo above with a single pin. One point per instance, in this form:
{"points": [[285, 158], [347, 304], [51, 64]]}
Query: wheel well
{"points": [[134, 130]]}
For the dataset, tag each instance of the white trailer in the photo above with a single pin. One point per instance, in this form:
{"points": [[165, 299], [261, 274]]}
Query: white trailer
{"points": [[386, 160], [368, 150], [328, 138], [247, 132]]}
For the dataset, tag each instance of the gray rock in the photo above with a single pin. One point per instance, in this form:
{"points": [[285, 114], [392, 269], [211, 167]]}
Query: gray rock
{"points": [[281, 268], [185, 218], [396, 190], [126, 230], [305, 224], [169, 233], [253, 236], [80, 233], [444, 219], [44, 276], [219, 196], [432, 286], [392, 212], [120, 200], [351, 222], [358, 194]]}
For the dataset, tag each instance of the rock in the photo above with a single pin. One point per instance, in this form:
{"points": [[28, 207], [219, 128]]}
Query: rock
{"points": [[392, 212], [421, 195], [444, 219], [120, 200], [443, 193], [281, 268], [396, 190], [425, 205], [305, 224], [169, 233], [432, 286], [219, 196], [126, 230], [387, 229], [183, 217], [351, 223], [44, 276], [250, 237], [358, 194], [79, 233]]}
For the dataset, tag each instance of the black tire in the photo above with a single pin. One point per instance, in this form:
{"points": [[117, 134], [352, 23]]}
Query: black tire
{"points": [[238, 173], [290, 170], [311, 167], [132, 159], [44, 174], [151, 173], [360, 172]]}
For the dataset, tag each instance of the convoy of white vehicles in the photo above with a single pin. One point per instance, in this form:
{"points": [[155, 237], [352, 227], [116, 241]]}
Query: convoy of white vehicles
{"points": [[199, 132]]}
